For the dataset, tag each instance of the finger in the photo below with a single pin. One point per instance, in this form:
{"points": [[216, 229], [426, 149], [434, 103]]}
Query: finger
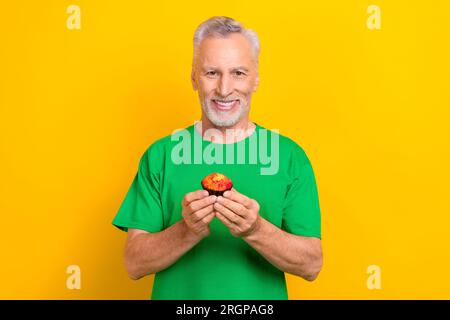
{"points": [[227, 213], [237, 208], [200, 204], [194, 195], [200, 214], [234, 195], [207, 219], [225, 221]]}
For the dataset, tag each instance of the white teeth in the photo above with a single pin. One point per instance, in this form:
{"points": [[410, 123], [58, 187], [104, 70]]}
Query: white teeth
{"points": [[225, 103]]}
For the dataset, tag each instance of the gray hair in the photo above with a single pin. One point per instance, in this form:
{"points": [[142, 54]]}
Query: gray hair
{"points": [[221, 26]]}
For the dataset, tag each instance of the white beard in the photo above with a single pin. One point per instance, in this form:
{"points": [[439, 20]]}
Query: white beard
{"points": [[224, 118]]}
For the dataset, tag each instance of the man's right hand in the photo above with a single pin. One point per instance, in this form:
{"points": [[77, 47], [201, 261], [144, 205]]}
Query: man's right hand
{"points": [[148, 253], [198, 211]]}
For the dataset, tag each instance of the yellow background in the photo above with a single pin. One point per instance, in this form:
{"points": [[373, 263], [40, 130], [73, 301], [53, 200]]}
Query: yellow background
{"points": [[370, 107]]}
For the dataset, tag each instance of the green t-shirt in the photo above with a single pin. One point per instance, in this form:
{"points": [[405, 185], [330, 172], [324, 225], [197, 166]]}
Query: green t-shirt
{"points": [[265, 166]]}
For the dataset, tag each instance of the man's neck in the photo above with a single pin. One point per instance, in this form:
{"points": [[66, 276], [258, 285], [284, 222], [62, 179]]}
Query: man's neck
{"points": [[231, 134]]}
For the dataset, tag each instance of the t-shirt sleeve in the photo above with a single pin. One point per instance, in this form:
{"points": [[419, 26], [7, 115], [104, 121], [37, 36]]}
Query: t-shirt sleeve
{"points": [[301, 212], [141, 208]]}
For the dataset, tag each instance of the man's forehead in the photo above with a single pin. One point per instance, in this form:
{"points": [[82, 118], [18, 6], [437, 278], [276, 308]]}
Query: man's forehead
{"points": [[207, 66], [233, 51]]}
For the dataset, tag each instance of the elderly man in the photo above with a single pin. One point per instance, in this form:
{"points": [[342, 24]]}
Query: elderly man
{"points": [[235, 246]]}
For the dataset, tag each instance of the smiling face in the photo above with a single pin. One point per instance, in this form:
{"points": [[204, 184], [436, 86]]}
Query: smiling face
{"points": [[225, 73]]}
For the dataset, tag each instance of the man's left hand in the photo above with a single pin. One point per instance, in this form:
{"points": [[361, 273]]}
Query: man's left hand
{"points": [[238, 212]]}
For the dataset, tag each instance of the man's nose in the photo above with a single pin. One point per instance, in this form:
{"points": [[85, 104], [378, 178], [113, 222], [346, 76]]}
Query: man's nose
{"points": [[225, 86]]}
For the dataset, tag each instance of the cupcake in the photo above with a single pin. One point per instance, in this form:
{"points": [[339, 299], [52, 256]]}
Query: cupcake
{"points": [[216, 183]]}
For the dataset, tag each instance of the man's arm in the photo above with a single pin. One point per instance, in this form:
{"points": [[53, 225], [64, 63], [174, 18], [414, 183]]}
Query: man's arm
{"points": [[147, 253], [301, 256]]}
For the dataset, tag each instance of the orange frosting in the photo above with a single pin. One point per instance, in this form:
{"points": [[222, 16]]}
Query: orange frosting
{"points": [[217, 182]]}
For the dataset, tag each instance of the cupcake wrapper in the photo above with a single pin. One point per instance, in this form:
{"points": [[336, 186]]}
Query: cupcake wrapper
{"points": [[216, 192]]}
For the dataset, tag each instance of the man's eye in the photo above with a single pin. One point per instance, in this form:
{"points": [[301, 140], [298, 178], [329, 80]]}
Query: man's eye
{"points": [[211, 73], [239, 73]]}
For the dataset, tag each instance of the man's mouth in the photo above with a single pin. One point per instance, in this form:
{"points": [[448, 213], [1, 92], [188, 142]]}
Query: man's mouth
{"points": [[225, 105]]}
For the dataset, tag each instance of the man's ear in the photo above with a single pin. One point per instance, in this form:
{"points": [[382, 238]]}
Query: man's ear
{"points": [[255, 87], [194, 83]]}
